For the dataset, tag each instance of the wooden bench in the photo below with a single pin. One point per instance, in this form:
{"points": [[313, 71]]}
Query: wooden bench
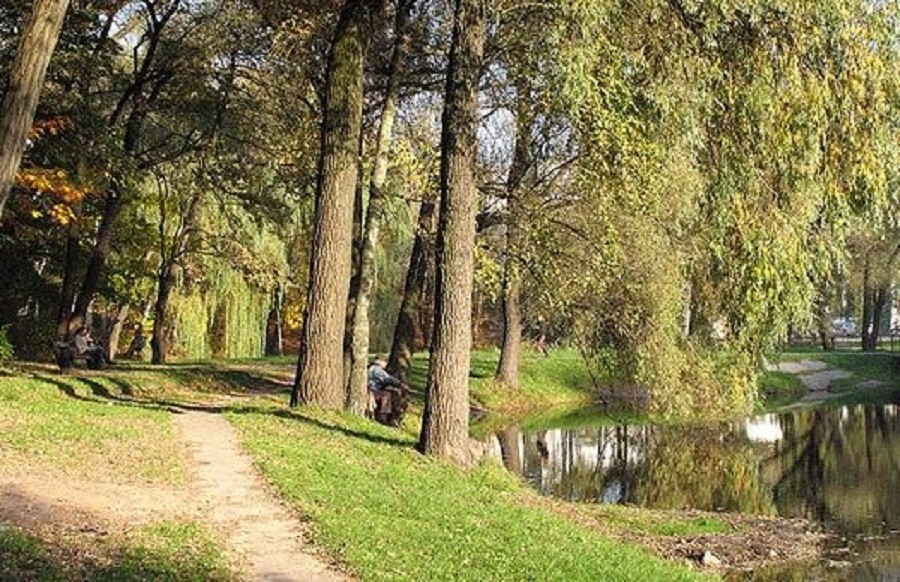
{"points": [[67, 356]]}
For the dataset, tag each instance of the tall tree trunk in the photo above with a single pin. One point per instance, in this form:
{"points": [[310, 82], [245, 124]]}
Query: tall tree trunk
{"points": [[275, 324], [359, 212], [409, 329], [112, 344], [158, 342], [168, 269], [357, 393], [320, 373], [67, 295], [511, 348], [868, 315], [26, 78], [445, 425], [99, 254]]}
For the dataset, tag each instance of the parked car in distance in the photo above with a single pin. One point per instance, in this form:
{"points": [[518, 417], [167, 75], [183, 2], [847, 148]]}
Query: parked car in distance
{"points": [[844, 326]]}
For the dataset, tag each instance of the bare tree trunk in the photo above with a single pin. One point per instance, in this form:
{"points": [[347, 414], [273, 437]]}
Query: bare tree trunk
{"points": [[355, 258], [167, 271], [409, 329], [320, 373], [26, 79], [445, 425], [823, 325], [357, 393]]}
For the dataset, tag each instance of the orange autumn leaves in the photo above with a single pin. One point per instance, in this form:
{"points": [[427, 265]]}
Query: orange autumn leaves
{"points": [[52, 191]]}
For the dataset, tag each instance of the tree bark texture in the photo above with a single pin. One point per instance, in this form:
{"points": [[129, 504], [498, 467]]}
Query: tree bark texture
{"points": [[416, 298], [67, 295], [158, 342], [319, 379], [111, 212], [26, 79], [445, 425], [167, 271], [112, 345], [511, 347], [275, 324], [357, 392]]}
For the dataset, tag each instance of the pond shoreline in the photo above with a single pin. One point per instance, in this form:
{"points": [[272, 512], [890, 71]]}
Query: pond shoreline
{"points": [[749, 542]]}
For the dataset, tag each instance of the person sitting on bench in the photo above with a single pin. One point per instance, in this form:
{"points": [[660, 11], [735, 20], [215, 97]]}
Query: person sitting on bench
{"points": [[86, 347]]}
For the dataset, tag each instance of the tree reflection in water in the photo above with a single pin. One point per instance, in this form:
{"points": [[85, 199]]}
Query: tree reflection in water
{"points": [[838, 466]]}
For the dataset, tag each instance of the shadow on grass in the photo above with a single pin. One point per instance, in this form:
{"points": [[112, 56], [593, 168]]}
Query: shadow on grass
{"points": [[101, 394], [25, 557], [319, 423], [98, 393]]}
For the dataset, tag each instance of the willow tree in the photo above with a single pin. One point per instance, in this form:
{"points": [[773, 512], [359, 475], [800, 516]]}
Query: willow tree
{"points": [[320, 373], [24, 89], [445, 425]]}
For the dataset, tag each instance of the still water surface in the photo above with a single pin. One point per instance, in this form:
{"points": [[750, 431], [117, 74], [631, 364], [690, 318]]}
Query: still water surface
{"points": [[839, 466]]}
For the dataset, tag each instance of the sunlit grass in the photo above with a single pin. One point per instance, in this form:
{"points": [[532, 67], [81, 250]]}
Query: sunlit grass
{"points": [[76, 425], [390, 513]]}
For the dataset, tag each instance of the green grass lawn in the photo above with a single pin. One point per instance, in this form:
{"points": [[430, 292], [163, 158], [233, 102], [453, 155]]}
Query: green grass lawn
{"points": [[561, 378], [391, 514]]}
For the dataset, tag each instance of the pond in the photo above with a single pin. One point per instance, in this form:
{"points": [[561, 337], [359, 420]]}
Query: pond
{"points": [[838, 466]]}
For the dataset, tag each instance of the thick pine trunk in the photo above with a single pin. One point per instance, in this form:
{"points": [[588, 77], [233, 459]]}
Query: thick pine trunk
{"points": [[26, 78], [445, 425], [357, 393], [320, 370], [408, 331]]}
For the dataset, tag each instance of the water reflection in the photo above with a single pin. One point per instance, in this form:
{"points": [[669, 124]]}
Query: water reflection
{"points": [[838, 466]]}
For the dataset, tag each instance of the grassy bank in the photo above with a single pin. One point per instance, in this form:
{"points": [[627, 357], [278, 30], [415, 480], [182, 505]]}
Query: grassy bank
{"points": [[390, 513], [559, 379], [874, 377]]}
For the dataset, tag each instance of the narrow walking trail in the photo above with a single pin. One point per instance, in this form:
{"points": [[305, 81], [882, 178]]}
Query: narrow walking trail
{"points": [[235, 501]]}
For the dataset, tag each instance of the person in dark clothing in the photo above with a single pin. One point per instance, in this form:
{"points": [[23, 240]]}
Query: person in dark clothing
{"points": [[387, 395]]}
